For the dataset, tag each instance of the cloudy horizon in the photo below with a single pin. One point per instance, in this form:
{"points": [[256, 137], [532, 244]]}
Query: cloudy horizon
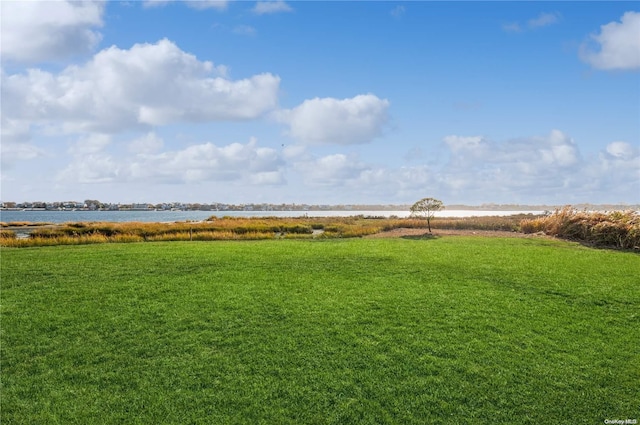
{"points": [[320, 103]]}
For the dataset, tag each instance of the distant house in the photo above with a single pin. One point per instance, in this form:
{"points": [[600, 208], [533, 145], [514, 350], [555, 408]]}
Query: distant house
{"points": [[141, 207]]}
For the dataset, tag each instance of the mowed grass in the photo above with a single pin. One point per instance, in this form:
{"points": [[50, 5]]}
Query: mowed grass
{"points": [[379, 331]]}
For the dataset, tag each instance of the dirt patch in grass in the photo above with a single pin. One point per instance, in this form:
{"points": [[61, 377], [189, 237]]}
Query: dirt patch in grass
{"points": [[404, 232]]}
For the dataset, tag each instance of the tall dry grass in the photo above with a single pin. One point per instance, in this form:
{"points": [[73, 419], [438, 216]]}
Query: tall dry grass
{"points": [[7, 234], [616, 229], [242, 228]]}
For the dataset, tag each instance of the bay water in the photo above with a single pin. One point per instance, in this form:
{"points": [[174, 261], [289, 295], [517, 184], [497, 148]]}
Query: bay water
{"points": [[9, 216]]}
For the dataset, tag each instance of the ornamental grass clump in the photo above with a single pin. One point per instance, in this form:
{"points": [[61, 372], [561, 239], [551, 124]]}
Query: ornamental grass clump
{"points": [[615, 229]]}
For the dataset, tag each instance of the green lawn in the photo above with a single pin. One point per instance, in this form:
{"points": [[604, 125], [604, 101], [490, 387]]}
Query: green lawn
{"points": [[451, 330]]}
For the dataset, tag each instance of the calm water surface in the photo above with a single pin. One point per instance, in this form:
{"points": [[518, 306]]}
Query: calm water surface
{"points": [[171, 216]]}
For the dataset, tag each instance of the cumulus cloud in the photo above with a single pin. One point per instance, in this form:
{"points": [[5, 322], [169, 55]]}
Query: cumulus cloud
{"points": [[541, 164], [462, 143], [90, 144], [269, 7], [248, 163], [90, 162], [337, 121], [546, 169], [622, 150], [13, 152], [331, 170], [617, 46], [618, 170], [334, 174], [556, 149], [209, 162], [14, 131], [147, 85], [147, 144], [16, 142], [34, 31]]}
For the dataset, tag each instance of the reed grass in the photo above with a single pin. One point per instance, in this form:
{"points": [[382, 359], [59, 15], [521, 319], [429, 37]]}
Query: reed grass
{"points": [[616, 229], [7, 234]]}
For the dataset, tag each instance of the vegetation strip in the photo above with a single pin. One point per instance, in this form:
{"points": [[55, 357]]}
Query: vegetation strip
{"points": [[617, 229], [444, 330]]}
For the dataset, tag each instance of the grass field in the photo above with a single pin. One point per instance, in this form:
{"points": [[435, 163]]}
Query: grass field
{"points": [[448, 330]]}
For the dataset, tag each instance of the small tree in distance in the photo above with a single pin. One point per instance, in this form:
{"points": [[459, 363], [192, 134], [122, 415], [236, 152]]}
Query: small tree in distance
{"points": [[426, 207]]}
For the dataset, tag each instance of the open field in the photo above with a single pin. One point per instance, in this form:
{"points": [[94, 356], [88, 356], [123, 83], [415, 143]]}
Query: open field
{"points": [[343, 331]]}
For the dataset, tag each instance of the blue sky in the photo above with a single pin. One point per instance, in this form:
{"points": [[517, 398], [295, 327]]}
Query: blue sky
{"points": [[321, 102]]}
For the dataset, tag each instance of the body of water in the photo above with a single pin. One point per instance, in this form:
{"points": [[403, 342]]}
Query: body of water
{"points": [[171, 216]]}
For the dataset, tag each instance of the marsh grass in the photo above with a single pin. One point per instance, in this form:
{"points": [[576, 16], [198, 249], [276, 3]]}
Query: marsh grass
{"points": [[7, 234], [355, 331], [616, 229], [24, 224], [228, 228]]}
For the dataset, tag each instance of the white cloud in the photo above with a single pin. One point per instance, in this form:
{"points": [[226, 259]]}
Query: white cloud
{"points": [[555, 149], [147, 85], [155, 3], [617, 46], [236, 162], [544, 169], [14, 131], [334, 174], [194, 4], [618, 171], [462, 143], [90, 169], [90, 144], [208, 4], [90, 163], [13, 152], [622, 150], [543, 165], [512, 27], [543, 20], [332, 170], [208, 162], [333, 121], [16, 141], [269, 7], [267, 178], [41, 31], [147, 144]]}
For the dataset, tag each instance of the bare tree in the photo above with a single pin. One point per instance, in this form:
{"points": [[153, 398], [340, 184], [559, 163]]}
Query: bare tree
{"points": [[426, 207]]}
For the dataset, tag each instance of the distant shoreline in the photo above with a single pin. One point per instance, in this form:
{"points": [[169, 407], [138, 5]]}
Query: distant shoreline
{"points": [[266, 208]]}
